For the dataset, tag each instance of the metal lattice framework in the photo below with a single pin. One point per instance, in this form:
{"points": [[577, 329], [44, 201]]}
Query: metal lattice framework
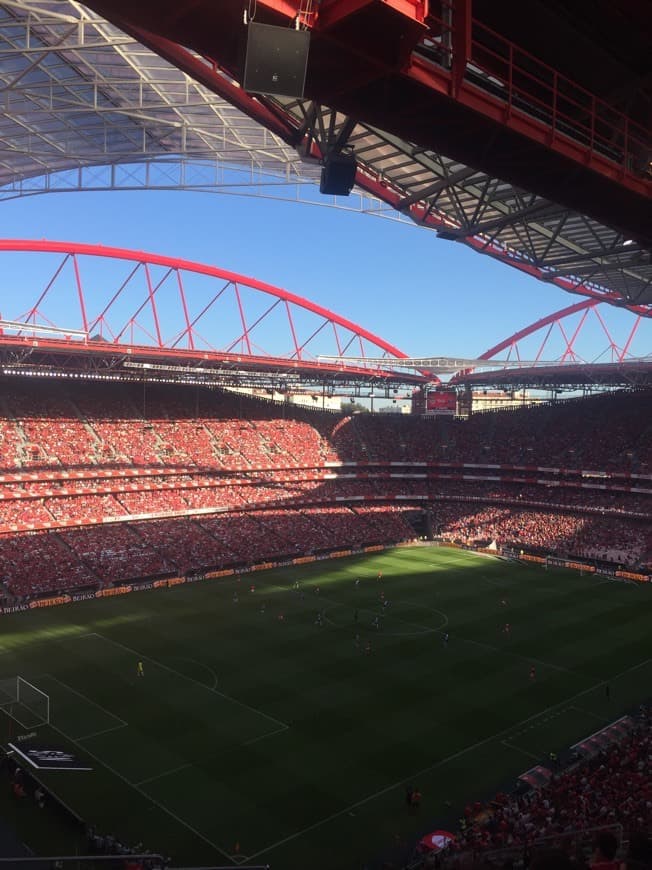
{"points": [[147, 311], [74, 86], [79, 94], [492, 217], [559, 340], [113, 310], [587, 344], [86, 107]]}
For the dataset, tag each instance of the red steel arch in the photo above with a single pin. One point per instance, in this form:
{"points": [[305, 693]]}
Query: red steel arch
{"points": [[155, 293], [618, 351]]}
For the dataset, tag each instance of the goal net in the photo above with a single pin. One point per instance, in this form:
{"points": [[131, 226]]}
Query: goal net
{"points": [[24, 702]]}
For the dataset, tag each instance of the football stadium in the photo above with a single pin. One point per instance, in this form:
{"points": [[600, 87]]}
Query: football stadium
{"points": [[275, 593]]}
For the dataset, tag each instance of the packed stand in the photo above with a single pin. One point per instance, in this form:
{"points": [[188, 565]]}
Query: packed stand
{"points": [[39, 563], [614, 788], [116, 553], [190, 452], [610, 539]]}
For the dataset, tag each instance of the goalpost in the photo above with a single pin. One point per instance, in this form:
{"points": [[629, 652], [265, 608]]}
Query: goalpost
{"points": [[24, 702]]}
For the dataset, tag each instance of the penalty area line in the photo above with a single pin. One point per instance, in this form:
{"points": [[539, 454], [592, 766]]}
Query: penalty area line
{"points": [[140, 655], [143, 793], [515, 655], [590, 713], [88, 700], [165, 773], [265, 736], [520, 749], [103, 731]]}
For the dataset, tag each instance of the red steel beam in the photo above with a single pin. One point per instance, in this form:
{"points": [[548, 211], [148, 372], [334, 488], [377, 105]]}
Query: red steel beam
{"points": [[550, 319], [431, 76], [499, 111], [71, 348], [446, 82], [171, 263]]}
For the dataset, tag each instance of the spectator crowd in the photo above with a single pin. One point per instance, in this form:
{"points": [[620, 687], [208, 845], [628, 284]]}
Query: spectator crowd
{"points": [[104, 485], [606, 794]]}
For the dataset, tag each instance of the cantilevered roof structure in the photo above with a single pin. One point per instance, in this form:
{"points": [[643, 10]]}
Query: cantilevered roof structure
{"points": [[78, 93], [87, 105]]}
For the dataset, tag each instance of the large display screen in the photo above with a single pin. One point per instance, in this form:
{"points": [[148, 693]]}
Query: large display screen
{"points": [[441, 401]]}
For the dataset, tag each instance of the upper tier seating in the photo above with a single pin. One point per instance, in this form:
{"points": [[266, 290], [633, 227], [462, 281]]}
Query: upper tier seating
{"points": [[79, 454]]}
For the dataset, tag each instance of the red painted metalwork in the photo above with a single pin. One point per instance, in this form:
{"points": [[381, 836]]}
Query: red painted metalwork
{"points": [[379, 188], [285, 126], [571, 120], [619, 353], [453, 96], [189, 346], [549, 377], [238, 349], [80, 294], [461, 36], [549, 320], [207, 73], [187, 331]]}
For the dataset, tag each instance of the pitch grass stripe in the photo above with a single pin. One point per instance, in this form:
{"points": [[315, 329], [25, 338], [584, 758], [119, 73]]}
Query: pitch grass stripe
{"points": [[142, 792], [591, 713], [514, 655], [413, 776], [204, 667], [103, 731], [439, 629], [520, 749], [165, 773], [265, 736], [140, 655], [111, 715], [423, 629]]}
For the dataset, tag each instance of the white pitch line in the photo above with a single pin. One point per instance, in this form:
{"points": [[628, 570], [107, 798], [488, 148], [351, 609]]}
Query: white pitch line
{"points": [[437, 764], [103, 731], [141, 655], [265, 736], [591, 713], [439, 629], [520, 749], [140, 791], [177, 769], [386, 632], [508, 652], [86, 698], [207, 668], [423, 629], [434, 628]]}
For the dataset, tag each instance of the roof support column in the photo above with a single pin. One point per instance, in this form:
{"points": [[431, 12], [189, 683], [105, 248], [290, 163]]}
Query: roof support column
{"points": [[461, 42]]}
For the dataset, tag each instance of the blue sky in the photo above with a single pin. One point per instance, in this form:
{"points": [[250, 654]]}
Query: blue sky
{"points": [[425, 295]]}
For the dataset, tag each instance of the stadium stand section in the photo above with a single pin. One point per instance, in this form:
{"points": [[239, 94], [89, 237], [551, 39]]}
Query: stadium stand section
{"points": [[607, 793], [111, 482]]}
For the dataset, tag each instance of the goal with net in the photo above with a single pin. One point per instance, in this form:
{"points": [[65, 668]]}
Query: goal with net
{"points": [[24, 702]]}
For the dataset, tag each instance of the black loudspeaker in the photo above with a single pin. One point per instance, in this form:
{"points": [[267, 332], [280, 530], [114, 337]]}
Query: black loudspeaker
{"points": [[276, 60], [338, 174]]}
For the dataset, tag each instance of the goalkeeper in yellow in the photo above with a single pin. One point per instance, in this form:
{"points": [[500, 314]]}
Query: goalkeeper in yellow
{"points": [[140, 670]]}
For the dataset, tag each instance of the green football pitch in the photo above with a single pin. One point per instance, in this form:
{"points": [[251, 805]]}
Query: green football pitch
{"points": [[258, 736]]}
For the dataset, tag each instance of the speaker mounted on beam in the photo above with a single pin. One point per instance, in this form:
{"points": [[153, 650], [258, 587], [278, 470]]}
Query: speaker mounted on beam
{"points": [[276, 60], [338, 174]]}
